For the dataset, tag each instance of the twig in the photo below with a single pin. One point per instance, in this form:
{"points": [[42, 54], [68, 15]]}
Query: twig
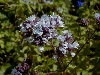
{"points": [[49, 73]]}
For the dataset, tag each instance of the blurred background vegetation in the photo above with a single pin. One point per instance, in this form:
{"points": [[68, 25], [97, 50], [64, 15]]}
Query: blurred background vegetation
{"points": [[13, 49]]}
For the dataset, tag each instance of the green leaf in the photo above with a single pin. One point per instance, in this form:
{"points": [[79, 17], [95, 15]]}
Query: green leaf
{"points": [[24, 49], [21, 59], [39, 59], [56, 42], [3, 68], [54, 67], [2, 44]]}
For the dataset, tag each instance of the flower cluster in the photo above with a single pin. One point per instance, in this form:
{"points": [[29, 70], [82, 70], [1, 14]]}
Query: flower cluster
{"points": [[66, 42], [22, 68], [97, 17], [29, 2], [78, 3], [48, 1], [84, 22], [41, 31]]}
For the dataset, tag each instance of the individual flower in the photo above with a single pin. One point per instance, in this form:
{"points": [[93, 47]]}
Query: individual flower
{"points": [[65, 45], [63, 50], [65, 31], [29, 39], [55, 57], [73, 54], [97, 15], [38, 30], [75, 44], [41, 49], [80, 3], [61, 38], [45, 40]]}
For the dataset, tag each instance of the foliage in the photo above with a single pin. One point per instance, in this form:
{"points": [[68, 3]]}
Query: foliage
{"points": [[13, 49]]}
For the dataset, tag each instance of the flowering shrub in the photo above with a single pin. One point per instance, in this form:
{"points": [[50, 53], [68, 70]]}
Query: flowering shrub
{"points": [[63, 44], [42, 31]]}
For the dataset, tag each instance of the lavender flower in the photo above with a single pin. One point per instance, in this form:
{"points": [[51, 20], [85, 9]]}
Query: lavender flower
{"points": [[41, 49], [29, 2], [48, 1], [75, 44], [29, 39], [42, 30], [31, 18], [55, 57], [84, 22], [63, 50], [80, 3], [15, 72], [73, 54], [97, 17], [21, 68]]}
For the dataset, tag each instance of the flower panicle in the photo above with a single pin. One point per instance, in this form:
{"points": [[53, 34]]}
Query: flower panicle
{"points": [[40, 31], [22, 68]]}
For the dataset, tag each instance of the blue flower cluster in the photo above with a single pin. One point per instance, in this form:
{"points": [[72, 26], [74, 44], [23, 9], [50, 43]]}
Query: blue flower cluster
{"points": [[22, 68], [80, 3], [41, 31], [48, 1], [84, 22], [97, 17]]}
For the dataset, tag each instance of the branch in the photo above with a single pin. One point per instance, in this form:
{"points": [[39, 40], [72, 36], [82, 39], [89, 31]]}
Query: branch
{"points": [[49, 73]]}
